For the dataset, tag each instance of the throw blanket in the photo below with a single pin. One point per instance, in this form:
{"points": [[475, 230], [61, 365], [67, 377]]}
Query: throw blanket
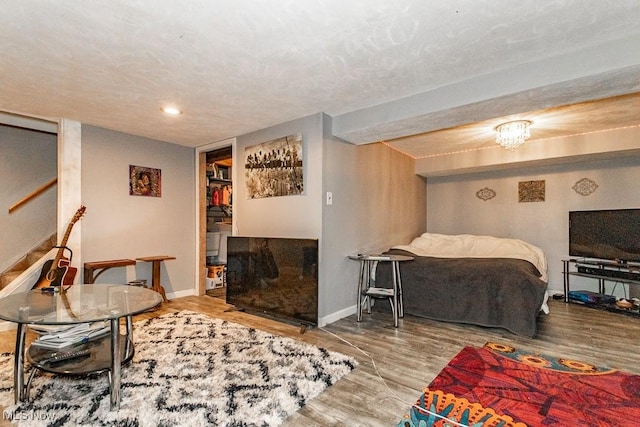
{"points": [[492, 292], [470, 246]]}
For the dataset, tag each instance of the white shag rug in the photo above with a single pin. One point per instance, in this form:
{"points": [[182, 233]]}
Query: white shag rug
{"points": [[188, 370]]}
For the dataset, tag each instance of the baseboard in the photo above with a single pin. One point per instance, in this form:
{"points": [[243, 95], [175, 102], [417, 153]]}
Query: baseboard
{"points": [[334, 317], [180, 294]]}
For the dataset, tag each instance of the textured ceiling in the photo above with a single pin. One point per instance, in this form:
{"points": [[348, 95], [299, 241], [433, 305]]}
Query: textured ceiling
{"points": [[238, 66]]}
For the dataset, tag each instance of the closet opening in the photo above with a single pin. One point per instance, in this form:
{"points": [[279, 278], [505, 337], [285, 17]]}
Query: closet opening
{"points": [[219, 218]]}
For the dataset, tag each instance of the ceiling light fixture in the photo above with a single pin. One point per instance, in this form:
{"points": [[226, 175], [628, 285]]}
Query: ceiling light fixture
{"points": [[513, 134], [172, 111]]}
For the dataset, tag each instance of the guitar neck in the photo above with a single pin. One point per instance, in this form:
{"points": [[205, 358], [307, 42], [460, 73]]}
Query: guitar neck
{"points": [[63, 244]]}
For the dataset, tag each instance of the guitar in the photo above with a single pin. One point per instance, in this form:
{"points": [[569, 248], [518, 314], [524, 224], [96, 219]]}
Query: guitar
{"points": [[57, 272]]}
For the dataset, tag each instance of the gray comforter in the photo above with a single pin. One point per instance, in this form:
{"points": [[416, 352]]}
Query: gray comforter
{"points": [[493, 292]]}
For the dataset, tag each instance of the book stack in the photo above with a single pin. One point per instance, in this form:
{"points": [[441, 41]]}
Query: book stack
{"points": [[59, 336]]}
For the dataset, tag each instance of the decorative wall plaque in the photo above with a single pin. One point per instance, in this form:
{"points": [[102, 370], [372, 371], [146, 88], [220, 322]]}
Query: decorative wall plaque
{"points": [[485, 194], [531, 191], [585, 186]]}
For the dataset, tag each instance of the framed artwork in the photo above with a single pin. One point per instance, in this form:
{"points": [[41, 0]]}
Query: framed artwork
{"points": [[144, 181], [275, 168], [531, 191]]}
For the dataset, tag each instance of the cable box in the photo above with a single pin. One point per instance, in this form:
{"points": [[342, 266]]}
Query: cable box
{"points": [[607, 272]]}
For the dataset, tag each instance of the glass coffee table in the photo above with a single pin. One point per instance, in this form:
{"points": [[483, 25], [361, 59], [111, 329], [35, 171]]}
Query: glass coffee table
{"points": [[79, 304]]}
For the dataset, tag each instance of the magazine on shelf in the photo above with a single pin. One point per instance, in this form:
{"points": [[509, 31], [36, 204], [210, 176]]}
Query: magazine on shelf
{"points": [[63, 336]]}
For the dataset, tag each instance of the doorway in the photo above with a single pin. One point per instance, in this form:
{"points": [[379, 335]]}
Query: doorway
{"points": [[29, 173], [218, 214]]}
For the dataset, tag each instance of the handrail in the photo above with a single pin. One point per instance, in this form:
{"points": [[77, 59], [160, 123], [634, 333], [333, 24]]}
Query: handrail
{"points": [[33, 195]]}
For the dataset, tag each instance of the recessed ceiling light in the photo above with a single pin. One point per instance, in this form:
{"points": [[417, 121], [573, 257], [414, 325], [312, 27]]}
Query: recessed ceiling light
{"points": [[172, 111]]}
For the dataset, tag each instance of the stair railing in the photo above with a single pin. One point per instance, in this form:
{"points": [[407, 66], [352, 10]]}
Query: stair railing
{"points": [[33, 195]]}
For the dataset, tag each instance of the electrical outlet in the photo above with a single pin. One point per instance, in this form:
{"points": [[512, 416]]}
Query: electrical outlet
{"points": [[329, 198]]}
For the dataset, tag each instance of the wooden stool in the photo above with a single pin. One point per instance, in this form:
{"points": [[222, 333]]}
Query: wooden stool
{"points": [[155, 278], [99, 267]]}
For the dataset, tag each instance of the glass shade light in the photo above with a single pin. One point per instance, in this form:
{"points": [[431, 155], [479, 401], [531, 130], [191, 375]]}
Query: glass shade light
{"points": [[513, 134]]}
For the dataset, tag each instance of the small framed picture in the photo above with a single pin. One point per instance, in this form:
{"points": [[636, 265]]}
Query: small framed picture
{"points": [[531, 191], [144, 181]]}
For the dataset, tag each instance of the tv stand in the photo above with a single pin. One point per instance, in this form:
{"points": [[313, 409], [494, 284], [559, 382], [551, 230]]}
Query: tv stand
{"points": [[603, 271]]}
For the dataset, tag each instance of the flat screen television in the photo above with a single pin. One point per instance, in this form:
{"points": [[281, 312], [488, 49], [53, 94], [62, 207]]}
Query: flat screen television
{"points": [[274, 277], [605, 234]]}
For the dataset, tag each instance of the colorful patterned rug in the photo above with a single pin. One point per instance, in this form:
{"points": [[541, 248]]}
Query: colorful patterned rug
{"points": [[500, 386]]}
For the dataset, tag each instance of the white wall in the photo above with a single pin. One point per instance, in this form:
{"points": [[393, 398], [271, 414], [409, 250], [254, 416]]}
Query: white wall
{"points": [[28, 160], [117, 225], [453, 208]]}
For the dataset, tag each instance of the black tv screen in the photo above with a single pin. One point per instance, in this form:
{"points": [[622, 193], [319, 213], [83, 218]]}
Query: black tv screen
{"points": [[276, 277], [605, 234]]}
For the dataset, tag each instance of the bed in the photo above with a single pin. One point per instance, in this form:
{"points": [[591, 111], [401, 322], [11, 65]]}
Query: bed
{"points": [[480, 280]]}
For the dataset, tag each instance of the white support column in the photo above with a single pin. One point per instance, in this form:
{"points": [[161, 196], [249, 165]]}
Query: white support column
{"points": [[70, 185]]}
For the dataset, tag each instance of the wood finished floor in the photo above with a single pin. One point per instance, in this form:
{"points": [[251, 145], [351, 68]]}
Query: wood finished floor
{"points": [[409, 357]]}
